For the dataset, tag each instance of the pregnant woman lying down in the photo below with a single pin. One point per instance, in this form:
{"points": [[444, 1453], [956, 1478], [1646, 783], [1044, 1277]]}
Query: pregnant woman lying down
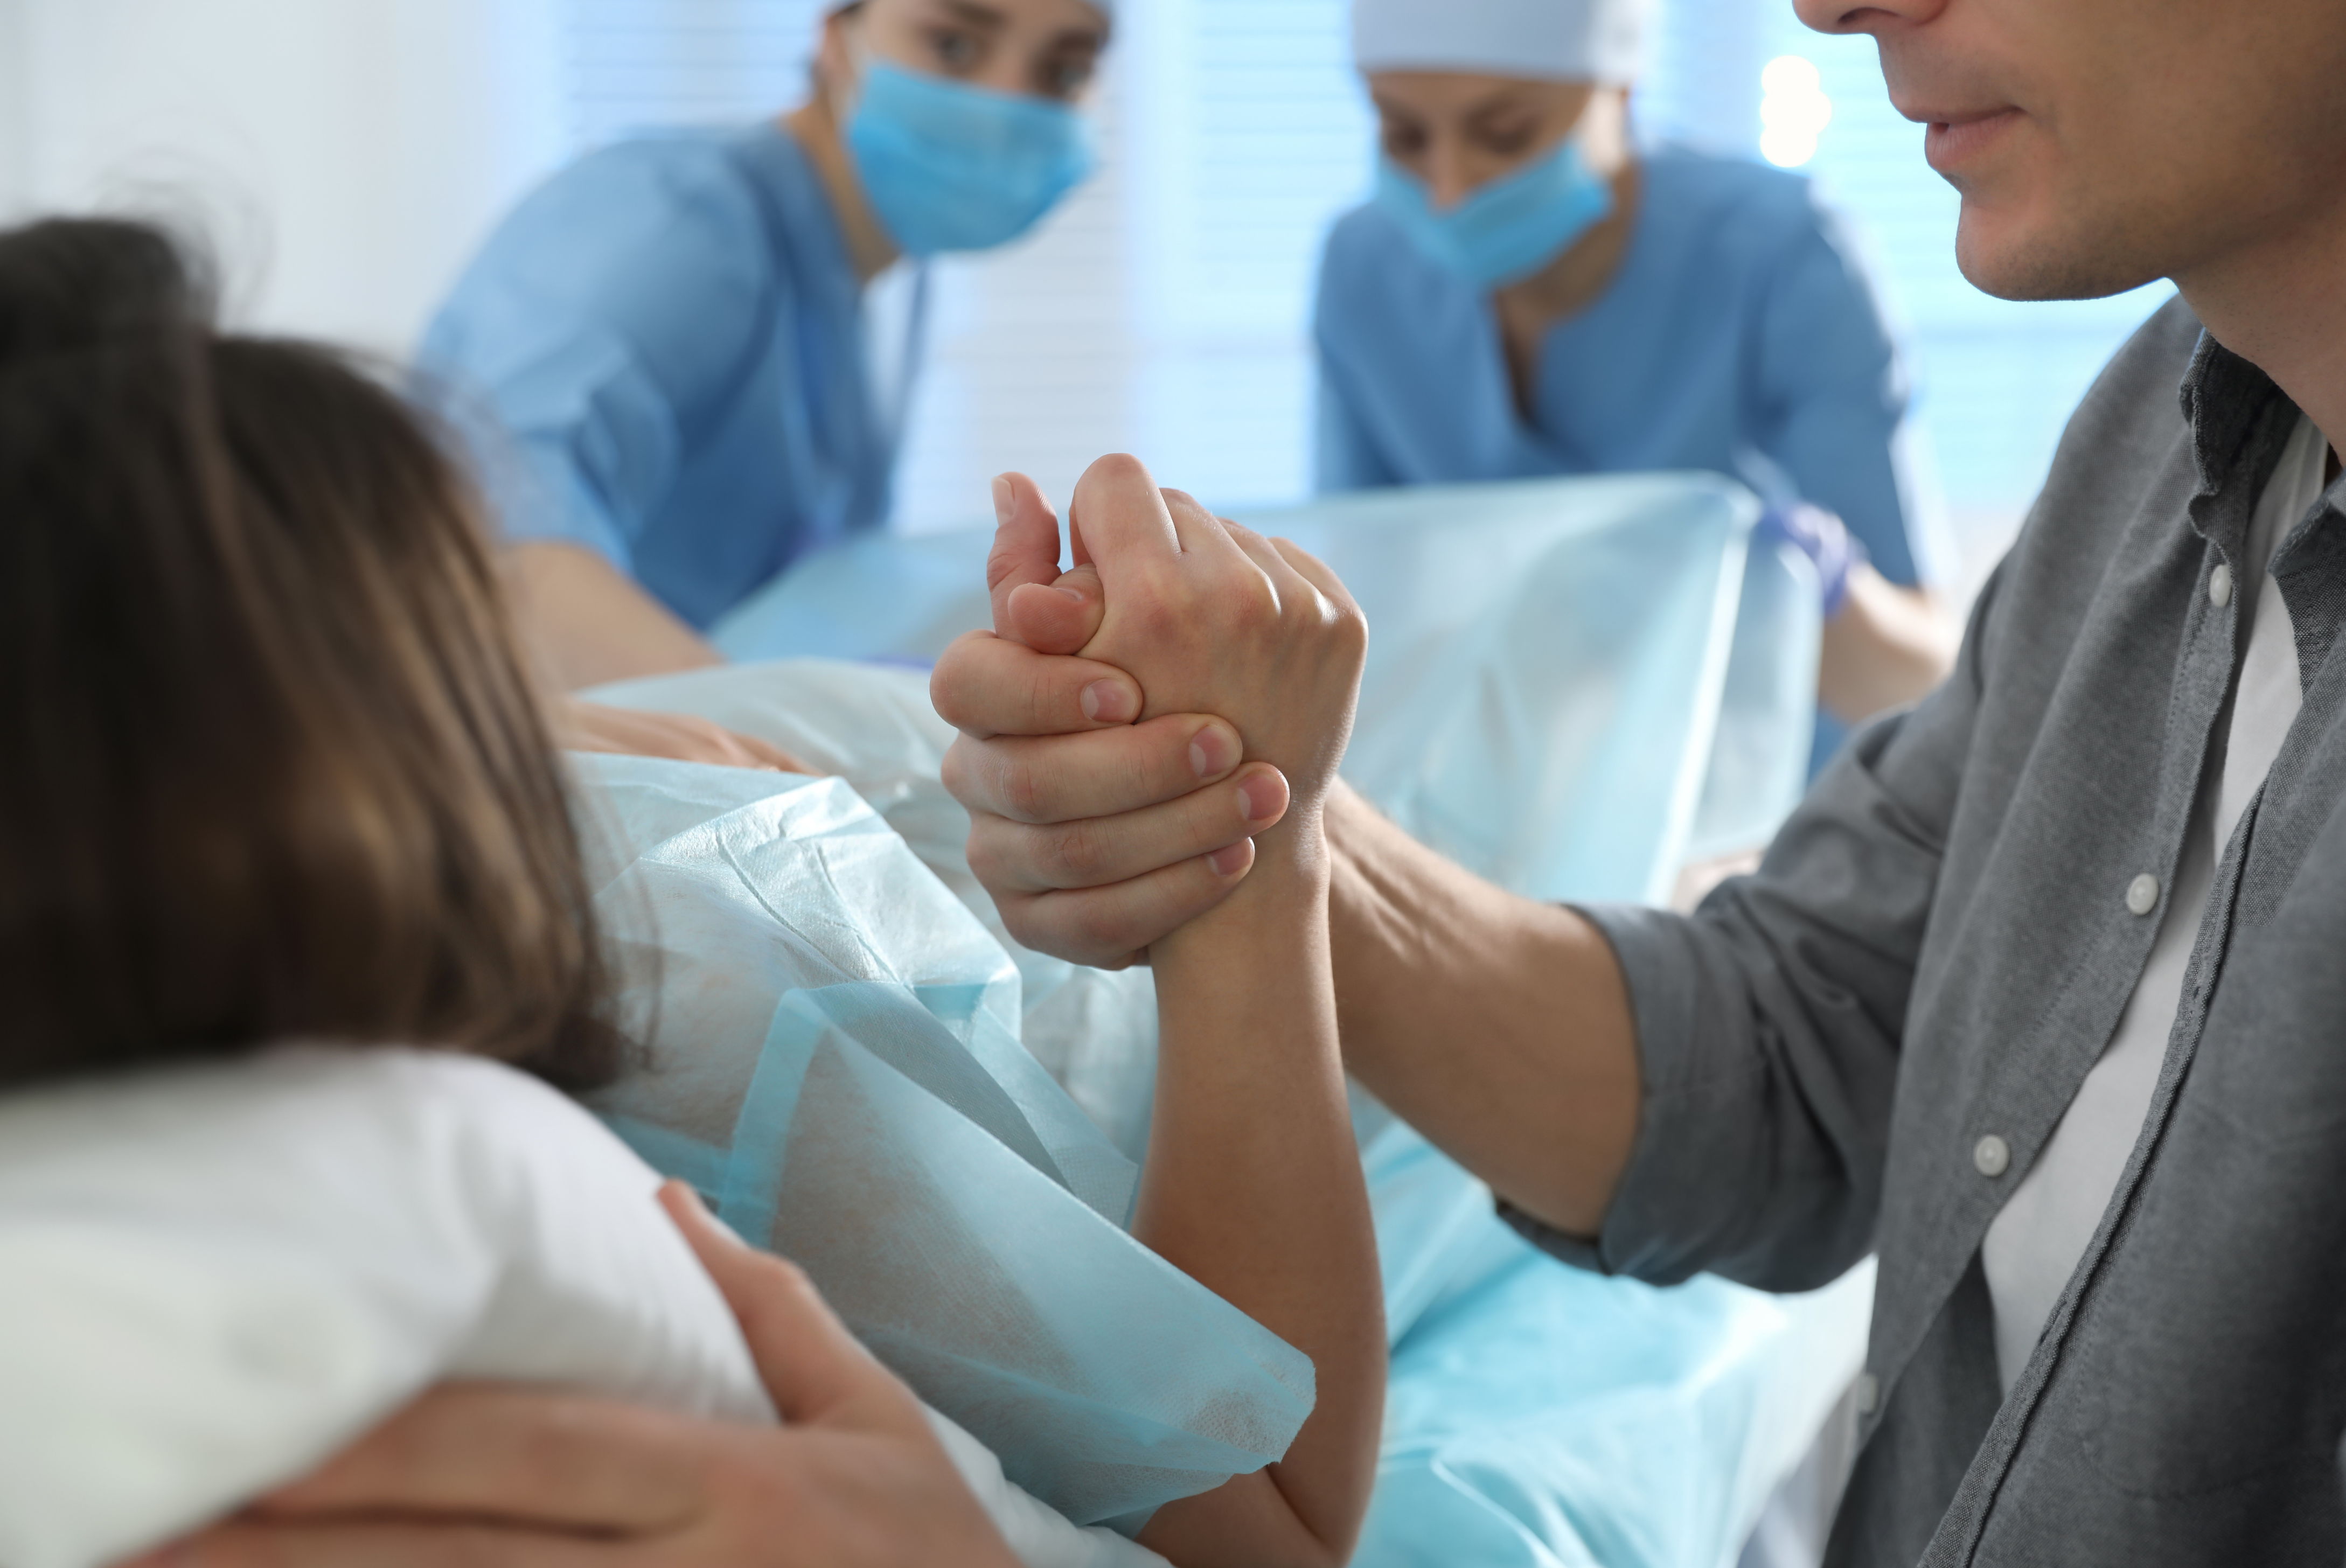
{"points": [[300, 954]]}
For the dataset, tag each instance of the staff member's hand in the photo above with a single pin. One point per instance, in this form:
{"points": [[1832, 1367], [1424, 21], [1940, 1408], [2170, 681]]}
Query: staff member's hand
{"points": [[495, 1477], [1095, 835]]}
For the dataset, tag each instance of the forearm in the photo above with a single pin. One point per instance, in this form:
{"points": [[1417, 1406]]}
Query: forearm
{"points": [[1886, 647], [585, 622], [1253, 1187], [1497, 1026]]}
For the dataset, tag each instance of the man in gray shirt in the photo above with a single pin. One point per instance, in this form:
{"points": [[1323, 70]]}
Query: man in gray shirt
{"points": [[2042, 995]]}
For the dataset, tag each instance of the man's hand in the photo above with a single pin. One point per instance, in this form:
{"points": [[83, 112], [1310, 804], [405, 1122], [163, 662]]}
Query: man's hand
{"points": [[492, 1477], [680, 736], [1094, 834]]}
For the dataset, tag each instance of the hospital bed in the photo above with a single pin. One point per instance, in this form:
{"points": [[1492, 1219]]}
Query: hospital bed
{"points": [[1574, 688]]}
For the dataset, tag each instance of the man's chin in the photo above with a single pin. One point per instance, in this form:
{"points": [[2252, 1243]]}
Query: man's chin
{"points": [[2024, 257]]}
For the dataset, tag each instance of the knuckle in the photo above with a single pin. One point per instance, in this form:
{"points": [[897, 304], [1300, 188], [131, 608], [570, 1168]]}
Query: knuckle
{"points": [[988, 855], [1022, 917], [1041, 702], [953, 771], [949, 683], [1002, 564], [1019, 791], [1095, 929], [1160, 617], [1148, 773], [1078, 853], [1255, 604]]}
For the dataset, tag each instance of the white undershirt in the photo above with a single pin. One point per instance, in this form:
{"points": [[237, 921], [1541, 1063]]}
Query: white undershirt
{"points": [[2035, 1243]]}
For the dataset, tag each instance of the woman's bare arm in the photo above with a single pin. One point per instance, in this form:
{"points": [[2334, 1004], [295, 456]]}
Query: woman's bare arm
{"points": [[585, 622], [1253, 1187], [1886, 647], [1253, 1183]]}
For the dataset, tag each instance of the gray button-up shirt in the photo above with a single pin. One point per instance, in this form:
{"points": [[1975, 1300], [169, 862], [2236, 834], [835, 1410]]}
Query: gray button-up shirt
{"points": [[1865, 1045]]}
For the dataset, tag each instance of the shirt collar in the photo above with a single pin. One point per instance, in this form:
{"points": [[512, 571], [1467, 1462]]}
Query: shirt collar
{"points": [[2223, 395]]}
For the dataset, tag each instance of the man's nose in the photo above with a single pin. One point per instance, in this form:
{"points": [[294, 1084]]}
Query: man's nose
{"points": [[1867, 15]]}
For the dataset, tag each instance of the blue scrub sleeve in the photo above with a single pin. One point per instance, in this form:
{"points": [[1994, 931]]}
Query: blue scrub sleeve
{"points": [[1345, 455], [598, 448], [1833, 396], [613, 309]]}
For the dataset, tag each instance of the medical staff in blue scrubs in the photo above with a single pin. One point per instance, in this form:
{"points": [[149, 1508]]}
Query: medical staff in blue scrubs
{"points": [[1530, 293], [661, 354]]}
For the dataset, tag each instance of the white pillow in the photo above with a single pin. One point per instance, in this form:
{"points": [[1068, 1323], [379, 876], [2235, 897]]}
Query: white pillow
{"points": [[213, 1277]]}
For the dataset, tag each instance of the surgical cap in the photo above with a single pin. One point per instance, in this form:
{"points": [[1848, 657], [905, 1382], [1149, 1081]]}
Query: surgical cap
{"points": [[1546, 40]]}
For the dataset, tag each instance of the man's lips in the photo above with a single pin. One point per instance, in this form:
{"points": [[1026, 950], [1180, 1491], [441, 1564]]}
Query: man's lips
{"points": [[1955, 139]]}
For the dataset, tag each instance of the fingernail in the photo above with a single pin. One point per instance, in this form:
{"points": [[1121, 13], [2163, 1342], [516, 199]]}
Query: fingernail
{"points": [[1108, 702], [1213, 751], [1073, 595], [1261, 798], [1002, 504], [1232, 860]]}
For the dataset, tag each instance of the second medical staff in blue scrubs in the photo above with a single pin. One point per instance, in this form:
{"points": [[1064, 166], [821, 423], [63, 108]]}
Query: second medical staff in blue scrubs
{"points": [[1530, 294], [662, 352]]}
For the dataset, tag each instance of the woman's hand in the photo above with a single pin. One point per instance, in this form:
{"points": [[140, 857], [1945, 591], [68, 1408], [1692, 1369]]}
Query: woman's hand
{"points": [[1212, 617], [498, 1477], [1253, 1185], [1095, 835]]}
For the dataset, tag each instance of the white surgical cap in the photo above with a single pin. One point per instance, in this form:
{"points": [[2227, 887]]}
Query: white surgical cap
{"points": [[1546, 40]]}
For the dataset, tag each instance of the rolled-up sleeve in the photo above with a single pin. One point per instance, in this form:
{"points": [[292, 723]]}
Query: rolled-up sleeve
{"points": [[1769, 1021], [604, 318]]}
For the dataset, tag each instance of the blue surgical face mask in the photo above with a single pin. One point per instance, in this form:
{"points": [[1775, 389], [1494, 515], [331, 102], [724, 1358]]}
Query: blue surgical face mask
{"points": [[1506, 230], [948, 167]]}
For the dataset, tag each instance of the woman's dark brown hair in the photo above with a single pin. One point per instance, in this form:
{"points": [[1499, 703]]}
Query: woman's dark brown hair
{"points": [[269, 766]]}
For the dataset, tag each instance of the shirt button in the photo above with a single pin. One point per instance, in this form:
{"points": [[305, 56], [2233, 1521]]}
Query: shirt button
{"points": [[1992, 1155], [2142, 894], [2219, 585], [1869, 1393]]}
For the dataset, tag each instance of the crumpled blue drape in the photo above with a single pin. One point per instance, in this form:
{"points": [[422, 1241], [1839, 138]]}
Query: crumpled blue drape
{"points": [[837, 1066], [1573, 687]]}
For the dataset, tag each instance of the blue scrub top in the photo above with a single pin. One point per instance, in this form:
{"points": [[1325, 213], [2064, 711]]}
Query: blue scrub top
{"points": [[660, 355], [1740, 336]]}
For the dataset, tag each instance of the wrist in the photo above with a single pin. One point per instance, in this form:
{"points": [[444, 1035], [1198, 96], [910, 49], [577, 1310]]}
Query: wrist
{"points": [[1293, 855], [1282, 901]]}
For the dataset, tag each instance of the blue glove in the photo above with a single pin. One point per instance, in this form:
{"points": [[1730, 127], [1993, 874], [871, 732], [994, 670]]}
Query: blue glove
{"points": [[1823, 537]]}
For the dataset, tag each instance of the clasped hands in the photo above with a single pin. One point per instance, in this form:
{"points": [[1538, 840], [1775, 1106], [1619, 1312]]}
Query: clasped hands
{"points": [[1134, 729]]}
